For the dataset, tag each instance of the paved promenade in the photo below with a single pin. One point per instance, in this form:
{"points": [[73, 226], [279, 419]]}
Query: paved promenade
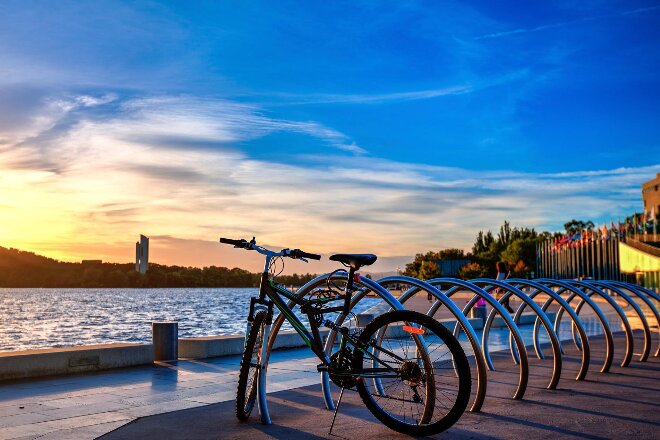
{"points": [[623, 404], [89, 405]]}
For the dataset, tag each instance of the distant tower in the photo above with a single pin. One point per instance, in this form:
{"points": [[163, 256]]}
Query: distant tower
{"points": [[142, 254]]}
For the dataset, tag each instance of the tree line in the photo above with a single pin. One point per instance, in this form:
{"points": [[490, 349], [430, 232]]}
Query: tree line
{"points": [[515, 246], [26, 269]]}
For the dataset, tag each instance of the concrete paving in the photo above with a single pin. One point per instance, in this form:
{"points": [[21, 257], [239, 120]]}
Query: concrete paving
{"points": [[88, 405], [623, 404]]}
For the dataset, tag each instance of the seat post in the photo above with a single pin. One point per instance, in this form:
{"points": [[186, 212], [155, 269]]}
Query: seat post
{"points": [[349, 290]]}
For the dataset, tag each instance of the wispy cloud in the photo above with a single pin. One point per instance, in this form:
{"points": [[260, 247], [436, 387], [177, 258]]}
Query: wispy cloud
{"points": [[564, 23], [377, 98], [111, 184]]}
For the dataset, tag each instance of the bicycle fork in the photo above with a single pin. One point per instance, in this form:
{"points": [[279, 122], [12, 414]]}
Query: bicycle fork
{"points": [[261, 383]]}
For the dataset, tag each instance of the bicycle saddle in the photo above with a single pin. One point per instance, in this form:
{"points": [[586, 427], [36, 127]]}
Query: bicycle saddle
{"points": [[355, 260]]}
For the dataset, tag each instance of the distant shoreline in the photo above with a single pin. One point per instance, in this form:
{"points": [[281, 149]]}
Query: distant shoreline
{"points": [[20, 269]]}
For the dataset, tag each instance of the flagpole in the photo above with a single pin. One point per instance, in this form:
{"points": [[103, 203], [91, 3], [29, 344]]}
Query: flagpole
{"points": [[598, 257], [581, 253], [610, 240], [593, 260], [587, 255], [537, 258]]}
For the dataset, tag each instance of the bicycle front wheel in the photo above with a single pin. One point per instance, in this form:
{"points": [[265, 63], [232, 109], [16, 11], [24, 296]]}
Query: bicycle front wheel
{"points": [[246, 393], [414, 375]]}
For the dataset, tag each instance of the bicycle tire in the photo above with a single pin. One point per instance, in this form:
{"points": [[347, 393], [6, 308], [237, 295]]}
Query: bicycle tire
{"points": [[246, 393], [457, 363]]}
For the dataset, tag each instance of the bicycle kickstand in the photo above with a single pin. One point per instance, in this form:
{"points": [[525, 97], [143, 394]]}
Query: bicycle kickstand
{"points": [[334, 417]]}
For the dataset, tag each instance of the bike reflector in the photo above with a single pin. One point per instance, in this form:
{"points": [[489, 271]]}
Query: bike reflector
{"points": [[413, 330]]}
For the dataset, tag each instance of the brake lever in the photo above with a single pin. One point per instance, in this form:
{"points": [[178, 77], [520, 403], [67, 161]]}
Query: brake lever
{"points": [[303, 259]]}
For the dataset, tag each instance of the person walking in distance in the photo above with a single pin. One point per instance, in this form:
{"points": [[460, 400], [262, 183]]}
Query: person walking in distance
{"points": [[502, 274]]}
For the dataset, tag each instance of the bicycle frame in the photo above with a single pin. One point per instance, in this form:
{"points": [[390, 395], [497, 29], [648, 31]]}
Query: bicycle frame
{"points": [[271, 290], [270, 293]]}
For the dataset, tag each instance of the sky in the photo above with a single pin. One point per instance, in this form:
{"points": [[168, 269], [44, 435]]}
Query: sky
{"points": [[374, 126]]}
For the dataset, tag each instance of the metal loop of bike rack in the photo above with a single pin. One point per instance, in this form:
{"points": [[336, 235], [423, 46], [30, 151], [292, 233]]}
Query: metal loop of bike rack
{"points": [[510, 290], [540, 289], [576, 292], [461, 321], [591, 290], [635, 291], [650, 293], [457, 285], [593, 286], [480, 288]]}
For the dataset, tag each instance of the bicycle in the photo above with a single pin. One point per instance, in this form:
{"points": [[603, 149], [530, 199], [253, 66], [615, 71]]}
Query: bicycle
{"points": [[396, 363]]}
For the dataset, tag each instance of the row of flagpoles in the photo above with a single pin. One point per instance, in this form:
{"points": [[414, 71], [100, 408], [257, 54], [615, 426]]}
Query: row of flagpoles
{"points": [[594, 252], [591, 254]]}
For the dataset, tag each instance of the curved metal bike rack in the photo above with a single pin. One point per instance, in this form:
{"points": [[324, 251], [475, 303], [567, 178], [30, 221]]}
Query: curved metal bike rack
{"points": [[576, 292], [647, 330], [540, 289], [591, 289], [511, 325], [646, 290], [554, 340], [271, 333], [480, 288], [650, 293], [637, 292], [460, 320]]}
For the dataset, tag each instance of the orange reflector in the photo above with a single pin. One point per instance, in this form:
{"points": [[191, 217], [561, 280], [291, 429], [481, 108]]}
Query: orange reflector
{"points": [[411, 330]]}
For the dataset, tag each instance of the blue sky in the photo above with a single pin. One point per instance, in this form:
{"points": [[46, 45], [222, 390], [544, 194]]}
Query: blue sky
{"points": [[385, 126]]}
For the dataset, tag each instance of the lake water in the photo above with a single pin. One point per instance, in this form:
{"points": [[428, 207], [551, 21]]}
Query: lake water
{"points": [[45, 318]]}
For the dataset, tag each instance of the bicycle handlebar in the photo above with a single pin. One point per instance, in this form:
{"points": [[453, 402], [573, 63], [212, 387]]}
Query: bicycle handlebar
{"points": [[252, 245], [297, 253], [242, 243]]}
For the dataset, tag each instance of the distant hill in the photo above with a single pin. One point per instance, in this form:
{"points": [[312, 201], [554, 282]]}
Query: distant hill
{"points": [[27, 269]]}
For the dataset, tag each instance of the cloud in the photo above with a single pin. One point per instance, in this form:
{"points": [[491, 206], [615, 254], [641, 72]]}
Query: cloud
{"points": [[564, 23], [378, 98], [113, 179]]}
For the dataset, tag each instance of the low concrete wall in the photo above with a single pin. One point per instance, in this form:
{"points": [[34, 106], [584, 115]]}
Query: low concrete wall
{"points": [[35, 363], [71, 360], [215, 346]]}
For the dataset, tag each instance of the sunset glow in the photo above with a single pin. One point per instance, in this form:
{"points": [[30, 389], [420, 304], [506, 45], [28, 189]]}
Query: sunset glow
{"points": [[203, 134]]}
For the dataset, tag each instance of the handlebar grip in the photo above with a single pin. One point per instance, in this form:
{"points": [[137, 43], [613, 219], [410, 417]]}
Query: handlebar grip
{"points": [[297, 253], [237, 243]]}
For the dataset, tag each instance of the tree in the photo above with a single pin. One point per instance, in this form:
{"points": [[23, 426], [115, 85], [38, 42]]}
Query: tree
{"points": [[522, 249], [520, 270], [452, 254], [575, 226], [504, 236], [429, 270], [483, 242], [472, 270], [413, 268]]}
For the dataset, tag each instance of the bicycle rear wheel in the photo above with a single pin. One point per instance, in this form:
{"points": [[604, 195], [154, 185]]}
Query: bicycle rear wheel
{"points": [[415, 377], [246, 393]]}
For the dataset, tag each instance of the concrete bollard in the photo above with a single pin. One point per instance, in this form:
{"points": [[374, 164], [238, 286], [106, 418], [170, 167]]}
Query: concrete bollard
{"points": [[478, 312], [165, 340]]}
